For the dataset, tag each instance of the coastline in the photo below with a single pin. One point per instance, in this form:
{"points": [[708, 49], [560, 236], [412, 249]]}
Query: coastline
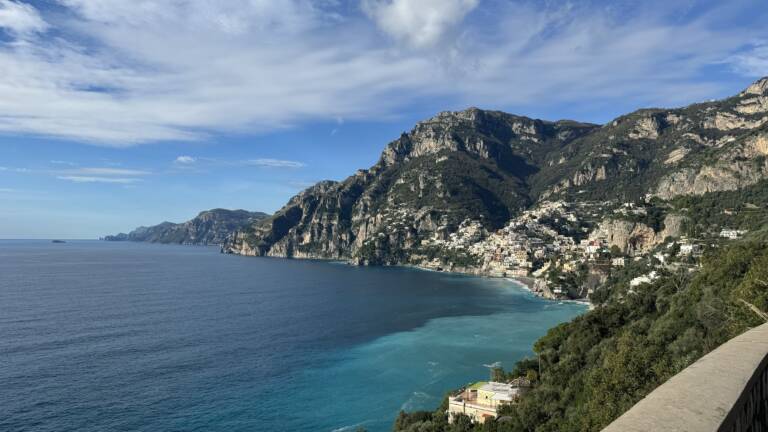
{"points": [[534, 285], [528, 283], [531, 284]]}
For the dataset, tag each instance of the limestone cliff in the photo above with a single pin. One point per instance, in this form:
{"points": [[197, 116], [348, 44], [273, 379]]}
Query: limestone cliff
{"points": [[635, 238]]}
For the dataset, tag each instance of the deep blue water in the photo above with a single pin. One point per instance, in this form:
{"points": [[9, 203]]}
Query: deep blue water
{"points": [[98, 336]]}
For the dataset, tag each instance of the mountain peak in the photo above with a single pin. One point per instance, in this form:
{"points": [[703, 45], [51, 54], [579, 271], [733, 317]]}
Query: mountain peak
{"points": [[759, 87]]}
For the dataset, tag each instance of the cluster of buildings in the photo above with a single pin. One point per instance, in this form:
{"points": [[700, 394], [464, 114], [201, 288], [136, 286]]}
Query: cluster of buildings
{"points": [[551, 242], [518, 248]]}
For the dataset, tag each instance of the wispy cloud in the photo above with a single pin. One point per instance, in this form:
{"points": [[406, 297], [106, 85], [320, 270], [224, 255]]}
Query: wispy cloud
{"points": [[419, 23], [189, 162], [16, 170], [185, 160], [753, 61], [6, 190], [118, 73], [107, 172], [87, 179], [102, 175], [273, 163], [20, 18]]}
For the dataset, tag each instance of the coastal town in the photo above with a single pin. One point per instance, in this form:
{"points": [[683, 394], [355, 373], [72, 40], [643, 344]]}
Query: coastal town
{"points": [[564, 250]]}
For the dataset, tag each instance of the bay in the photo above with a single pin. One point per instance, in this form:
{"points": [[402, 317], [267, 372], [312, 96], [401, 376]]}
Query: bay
{"points": [[99, 336]]}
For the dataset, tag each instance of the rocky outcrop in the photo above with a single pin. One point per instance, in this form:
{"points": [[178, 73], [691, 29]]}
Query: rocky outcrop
{"points": [[726, 121], [758, 88], [721, 177], [211, 227], [742, 163], [635, 238], [649, 126]]}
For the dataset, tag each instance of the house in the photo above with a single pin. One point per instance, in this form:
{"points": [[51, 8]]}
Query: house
{"points": [[591, 246], [690, 249], [731, 233], [481, 400]]}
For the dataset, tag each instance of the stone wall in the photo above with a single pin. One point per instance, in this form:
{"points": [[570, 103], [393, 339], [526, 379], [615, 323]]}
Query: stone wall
{"points": [[724, 391]]}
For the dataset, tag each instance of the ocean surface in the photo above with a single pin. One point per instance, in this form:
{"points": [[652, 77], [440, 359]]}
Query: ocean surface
{"points": [[98, 336]]}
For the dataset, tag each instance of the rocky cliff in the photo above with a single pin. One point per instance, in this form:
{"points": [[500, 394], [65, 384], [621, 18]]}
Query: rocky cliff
{"points": [[634, 238], [488, 166], [457, 165], [706, 147], [210, 227]]}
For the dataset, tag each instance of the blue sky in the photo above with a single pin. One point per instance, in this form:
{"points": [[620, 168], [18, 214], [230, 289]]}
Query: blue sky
{"points": [[117, 113]]}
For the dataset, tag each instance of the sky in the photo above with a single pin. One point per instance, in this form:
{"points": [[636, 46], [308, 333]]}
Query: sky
{"points": [[118, 113]]}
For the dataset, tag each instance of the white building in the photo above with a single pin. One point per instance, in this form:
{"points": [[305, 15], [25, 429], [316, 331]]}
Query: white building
{"points": [[731, 233], [482, 400], [647, 278]]}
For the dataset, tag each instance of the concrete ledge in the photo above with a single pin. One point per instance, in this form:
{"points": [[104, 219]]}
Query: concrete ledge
{"points": [[715, 394]]}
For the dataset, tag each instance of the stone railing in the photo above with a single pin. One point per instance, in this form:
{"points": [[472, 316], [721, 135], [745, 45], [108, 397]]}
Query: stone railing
{"points": [[725, 391]]}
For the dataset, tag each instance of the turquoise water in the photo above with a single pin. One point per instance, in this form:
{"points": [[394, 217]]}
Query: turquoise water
{"points": [[121, 336]]}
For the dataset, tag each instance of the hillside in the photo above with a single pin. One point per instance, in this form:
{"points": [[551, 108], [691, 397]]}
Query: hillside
{"points": [[589, 371], [210, 227], [488, 167]]}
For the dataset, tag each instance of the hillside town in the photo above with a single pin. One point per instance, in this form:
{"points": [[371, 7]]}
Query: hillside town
{"points": [[564, 250]]}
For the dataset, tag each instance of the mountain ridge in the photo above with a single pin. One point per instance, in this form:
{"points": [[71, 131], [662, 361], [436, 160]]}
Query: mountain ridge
{"points": [[490, 166], [209, 227]]}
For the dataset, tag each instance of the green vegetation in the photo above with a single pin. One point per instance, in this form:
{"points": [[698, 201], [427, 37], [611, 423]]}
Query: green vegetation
{"points": [[459, 258], [745, 209], [589, 371]]}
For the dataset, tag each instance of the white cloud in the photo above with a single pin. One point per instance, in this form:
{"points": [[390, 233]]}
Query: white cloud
{"points": [[6, 190], [419, 23], [122, 73], [20, 18], [102, 175], [107, 172], [273, 163], [753, 62], [197, 163], [90, 179], [185, 160]]}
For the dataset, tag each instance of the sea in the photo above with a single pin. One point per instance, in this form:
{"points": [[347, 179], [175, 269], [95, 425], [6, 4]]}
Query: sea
{"points": [[120, 336]]}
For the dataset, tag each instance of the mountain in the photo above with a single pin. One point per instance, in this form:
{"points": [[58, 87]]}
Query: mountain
{"points": [[210, 227], [489, 166], [458, 165]]}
